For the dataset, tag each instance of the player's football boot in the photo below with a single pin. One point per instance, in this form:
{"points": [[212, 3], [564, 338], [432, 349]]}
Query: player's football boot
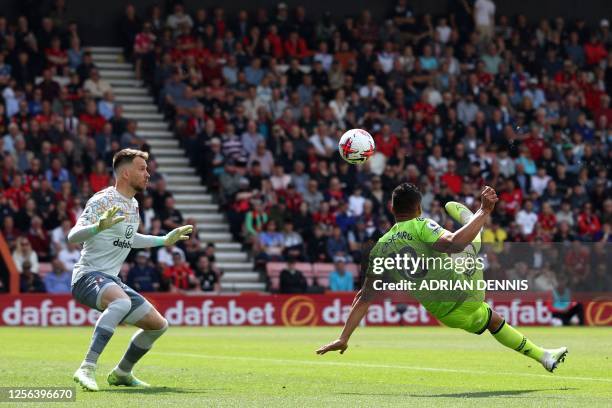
{"points": [[553, 357], [85, 376], [458, 212], [461, 214], [128, 380]]}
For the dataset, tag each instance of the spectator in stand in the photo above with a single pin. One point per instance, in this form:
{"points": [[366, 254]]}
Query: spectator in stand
{"points": [[254, 221], [23, 252], [437, 161], [340, 280], [58, 280], [210, 252], [159, 194], [96, 86], [292, 280], [56, 175], [337, 244], [563, 307], [30, 282], [451, 178], [170, 216], [547, 221], [142, 276], [527, 219], [484, 18], [594, 51], [179, 18], [69, 255], [588, 223], [39, 239], [208, 275], [99, 179], [130, 139], [296, 47], [293, 243], [494, 235], [106, 106], [75, 53], [565, 214], [144, 46], [251, 138], [270, 242], [57, 58], [179, 275], [49, 88], [59, 236]]}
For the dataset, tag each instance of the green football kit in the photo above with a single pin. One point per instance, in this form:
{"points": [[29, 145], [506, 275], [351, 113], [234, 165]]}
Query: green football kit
{"points": [[462, 304]]}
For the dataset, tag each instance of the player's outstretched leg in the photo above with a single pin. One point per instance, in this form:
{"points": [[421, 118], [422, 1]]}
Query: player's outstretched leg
{"points": [[117, 307], [461, 214], [152, 326], [512, 338]]}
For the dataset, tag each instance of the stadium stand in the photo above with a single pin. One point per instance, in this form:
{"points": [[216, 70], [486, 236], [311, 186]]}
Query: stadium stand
{"points": [[257, 101]]}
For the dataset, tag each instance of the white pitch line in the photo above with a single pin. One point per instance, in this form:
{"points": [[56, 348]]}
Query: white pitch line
{"points": [[389, 366]]}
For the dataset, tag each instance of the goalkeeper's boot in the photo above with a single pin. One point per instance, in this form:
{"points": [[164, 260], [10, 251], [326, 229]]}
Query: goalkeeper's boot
{"points": [[85, 376], [129, 380], [553, 357], [461, 214]]}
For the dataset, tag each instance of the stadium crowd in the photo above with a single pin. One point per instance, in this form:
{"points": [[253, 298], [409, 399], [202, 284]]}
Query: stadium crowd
{"points": [[59, 129], [454, 101], [259, 99]]}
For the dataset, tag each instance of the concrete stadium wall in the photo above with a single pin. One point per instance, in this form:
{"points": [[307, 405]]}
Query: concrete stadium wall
{"points": [[98, 18]]}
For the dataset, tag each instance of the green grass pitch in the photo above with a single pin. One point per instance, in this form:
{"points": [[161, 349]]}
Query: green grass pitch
{"points": [[269, 367]]}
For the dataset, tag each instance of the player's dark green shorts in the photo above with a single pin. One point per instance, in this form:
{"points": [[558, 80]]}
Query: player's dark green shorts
{"points": [[473, 317]]}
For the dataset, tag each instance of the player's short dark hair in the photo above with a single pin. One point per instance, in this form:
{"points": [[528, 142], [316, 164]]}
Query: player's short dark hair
{"points": [[127, 156], [406, 198]]}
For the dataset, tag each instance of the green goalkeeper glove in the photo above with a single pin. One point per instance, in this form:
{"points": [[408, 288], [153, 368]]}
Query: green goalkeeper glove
{"points": [[108, 219], [178, 234]]}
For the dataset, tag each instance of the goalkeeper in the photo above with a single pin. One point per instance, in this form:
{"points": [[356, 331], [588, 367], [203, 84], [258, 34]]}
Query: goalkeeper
{"points": [[107, 228], [463, 309]]}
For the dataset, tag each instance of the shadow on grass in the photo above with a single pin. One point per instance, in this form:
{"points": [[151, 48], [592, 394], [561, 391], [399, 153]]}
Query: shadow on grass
{"points": [[489, 394], [154, 390], [481, 394]]}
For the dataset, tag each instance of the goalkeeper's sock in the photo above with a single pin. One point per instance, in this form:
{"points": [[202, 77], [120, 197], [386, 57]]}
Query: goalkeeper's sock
{"points": [[105, 327], [512, 338], [140, 344]]}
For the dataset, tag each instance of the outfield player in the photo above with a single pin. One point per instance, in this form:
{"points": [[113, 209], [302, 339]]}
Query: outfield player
{"points": [[463, 309], [108, 230]]}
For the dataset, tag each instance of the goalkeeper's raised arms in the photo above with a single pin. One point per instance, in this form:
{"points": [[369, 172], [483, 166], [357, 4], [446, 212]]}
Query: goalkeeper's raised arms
{"points": [[109, 218]]}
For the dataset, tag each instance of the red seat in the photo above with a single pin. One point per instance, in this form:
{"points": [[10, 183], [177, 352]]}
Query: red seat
{"points": [[324, 269], [320, 270]]}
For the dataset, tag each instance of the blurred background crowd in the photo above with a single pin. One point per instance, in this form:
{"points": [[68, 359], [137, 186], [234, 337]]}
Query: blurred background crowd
{"points": [[259, 99]]}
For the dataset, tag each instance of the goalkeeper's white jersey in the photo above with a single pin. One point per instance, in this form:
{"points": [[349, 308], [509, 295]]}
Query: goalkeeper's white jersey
{"points": [[106, 251]]}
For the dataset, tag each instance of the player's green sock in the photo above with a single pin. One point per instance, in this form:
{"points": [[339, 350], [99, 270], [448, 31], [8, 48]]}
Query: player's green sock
{"points": [[512, 338]]}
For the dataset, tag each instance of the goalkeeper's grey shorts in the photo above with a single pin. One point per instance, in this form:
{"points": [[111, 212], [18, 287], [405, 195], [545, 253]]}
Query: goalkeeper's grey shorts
{"points": [[89, 288]]}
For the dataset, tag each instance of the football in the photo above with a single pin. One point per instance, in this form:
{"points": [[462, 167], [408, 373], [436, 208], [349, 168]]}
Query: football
{"points": [[356, 146]]}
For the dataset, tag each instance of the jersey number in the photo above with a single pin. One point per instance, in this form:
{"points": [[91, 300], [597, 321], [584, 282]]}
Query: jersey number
{"points": [[416, 267]]}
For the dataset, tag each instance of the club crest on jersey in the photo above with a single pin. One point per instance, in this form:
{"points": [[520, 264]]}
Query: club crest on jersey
{"points": [[433, 226], [129, 232]]}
